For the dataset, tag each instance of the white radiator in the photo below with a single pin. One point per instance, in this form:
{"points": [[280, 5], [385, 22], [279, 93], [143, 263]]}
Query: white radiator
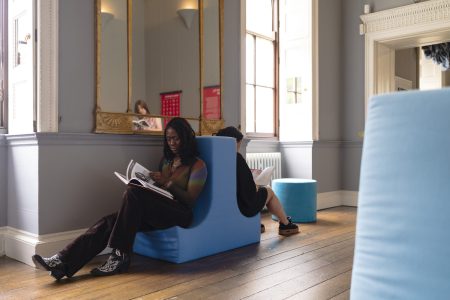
{"points": [[263, 160]]}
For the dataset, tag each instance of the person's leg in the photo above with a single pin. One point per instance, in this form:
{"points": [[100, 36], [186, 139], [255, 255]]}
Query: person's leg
{"points": [[274, 206], [141, 210], [76, 254]]}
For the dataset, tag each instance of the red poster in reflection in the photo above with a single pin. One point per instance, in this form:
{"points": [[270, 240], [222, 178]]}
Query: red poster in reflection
{"points": [[211, 102], [170, 105]]}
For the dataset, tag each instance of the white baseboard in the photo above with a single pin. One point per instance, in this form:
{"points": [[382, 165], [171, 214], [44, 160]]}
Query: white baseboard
{"points": [[21, 245], [337, 198], [2, 241], [349, 198]]}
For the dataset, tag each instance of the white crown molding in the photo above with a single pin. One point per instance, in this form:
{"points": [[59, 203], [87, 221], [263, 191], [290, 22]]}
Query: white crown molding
{"points": [[417, 14], [47, 65]]}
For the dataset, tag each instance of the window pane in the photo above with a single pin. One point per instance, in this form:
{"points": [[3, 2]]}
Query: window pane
{"points": [[290, 99], [265, 71], [250, 109], [298, 18], [250, 59], [264, 110], [259, 17]]}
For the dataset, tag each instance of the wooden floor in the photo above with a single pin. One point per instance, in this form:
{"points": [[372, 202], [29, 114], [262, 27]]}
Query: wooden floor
{"points": [[315, 264]]}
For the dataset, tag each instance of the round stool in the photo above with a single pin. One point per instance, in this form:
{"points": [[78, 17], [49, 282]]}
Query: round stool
{"points": [[298, 197]]}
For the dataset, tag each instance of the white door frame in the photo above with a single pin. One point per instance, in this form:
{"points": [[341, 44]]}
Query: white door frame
{"points": [[402, 27]]}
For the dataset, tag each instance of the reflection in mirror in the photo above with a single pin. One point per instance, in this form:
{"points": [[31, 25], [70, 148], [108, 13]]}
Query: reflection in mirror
{"points": [[149, 49], [211, 64], [144, 122], [415, 70], [113, 52], [165, 57]]}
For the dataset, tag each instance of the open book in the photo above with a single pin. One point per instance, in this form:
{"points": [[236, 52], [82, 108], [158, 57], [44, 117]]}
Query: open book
{"points": [[138, 175], [141, 123], [262, 178]]}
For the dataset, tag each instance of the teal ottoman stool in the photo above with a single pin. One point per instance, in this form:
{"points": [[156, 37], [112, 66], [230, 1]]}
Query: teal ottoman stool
{"points": [[298, 197]]}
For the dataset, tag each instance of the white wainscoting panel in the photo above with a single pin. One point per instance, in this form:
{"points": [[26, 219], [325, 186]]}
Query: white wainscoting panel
{"points": [[2, 241], [337, 198], [21, 245]]}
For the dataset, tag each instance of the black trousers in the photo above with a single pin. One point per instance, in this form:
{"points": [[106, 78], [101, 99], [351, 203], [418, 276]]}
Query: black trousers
{"points": [[141, 211]]}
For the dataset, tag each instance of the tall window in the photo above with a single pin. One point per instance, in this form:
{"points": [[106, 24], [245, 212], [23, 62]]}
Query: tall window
{"points": [[3, 63], [279, 69], [261, 68]]}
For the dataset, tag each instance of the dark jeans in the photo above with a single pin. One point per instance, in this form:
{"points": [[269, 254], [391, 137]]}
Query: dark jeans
{"points": [[141, 211]]}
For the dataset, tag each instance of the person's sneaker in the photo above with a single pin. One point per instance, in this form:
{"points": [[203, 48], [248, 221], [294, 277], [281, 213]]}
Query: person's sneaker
{"points": [[288, 229], [263, 228], [52, 264], [117, 262]]}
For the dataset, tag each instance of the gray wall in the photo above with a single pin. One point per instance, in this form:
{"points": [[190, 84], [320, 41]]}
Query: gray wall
{"points": [[3, 181], [76, 183], [353, 117], [67, 182], [23, 183], [406, 65], [326, 155], [76, 66], [330, 70], [378, 5], [232, 64]]}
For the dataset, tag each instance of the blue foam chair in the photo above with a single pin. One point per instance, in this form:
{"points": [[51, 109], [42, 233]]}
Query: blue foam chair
{"points": [[298, 197], [218, 224], [402, 246]]}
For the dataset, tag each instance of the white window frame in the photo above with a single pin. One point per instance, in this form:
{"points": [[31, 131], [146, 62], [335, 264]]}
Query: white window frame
{"points": [[315, 70], [47, 67], [4, 62]]}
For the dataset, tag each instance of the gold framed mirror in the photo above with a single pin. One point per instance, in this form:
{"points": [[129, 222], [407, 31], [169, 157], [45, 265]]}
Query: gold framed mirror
{"points": [[157, 59]]}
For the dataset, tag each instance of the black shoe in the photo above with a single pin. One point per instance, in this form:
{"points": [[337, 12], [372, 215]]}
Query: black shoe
{"points": [[263, 228], [117, 262], [288, 229], [53, 264]]}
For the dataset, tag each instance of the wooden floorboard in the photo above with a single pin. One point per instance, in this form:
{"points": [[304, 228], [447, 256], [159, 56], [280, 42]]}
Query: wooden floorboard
{"points": [[315, 264]]}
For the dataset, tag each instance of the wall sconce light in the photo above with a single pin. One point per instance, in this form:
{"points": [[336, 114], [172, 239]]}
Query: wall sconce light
{"points": [[106, 17], [187, 14]]}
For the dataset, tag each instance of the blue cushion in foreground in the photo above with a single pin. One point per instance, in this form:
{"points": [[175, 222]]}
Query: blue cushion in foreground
{"points": [[218, 224], [403, 225]]}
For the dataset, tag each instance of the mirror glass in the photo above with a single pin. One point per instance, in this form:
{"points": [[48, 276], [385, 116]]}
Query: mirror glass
{"points": [[151, 64], [113, 53], [165, 58], [211, 108]]}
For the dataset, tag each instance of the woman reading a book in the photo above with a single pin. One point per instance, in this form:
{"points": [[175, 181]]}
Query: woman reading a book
{"points": [[181, 172], [145, 123], [252, 198]]}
